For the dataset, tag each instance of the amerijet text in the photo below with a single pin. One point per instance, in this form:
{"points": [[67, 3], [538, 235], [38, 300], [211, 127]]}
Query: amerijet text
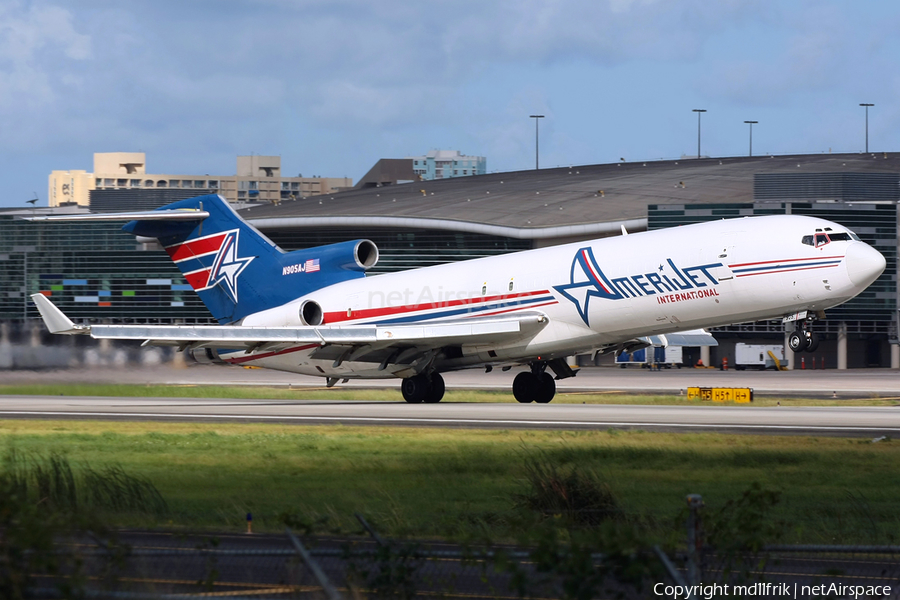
{"points": [[681, 296]]}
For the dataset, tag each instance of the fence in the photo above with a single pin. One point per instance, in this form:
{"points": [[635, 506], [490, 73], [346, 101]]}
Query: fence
{"points": [[175, 566]]}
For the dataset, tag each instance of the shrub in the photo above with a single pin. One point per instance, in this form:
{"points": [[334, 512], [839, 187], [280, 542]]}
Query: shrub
{"points": [[574, 493]]}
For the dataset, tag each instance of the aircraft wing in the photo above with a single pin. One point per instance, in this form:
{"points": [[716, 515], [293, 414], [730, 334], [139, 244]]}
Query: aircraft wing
{"points": [[423, 335]]}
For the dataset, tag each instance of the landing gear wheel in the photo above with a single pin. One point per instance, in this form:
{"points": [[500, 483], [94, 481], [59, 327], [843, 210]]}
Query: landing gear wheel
{"points": [[546, 388], [437, 389], [534, 387], [524, 386], [797, 342], [416, 389], [812, 341]]}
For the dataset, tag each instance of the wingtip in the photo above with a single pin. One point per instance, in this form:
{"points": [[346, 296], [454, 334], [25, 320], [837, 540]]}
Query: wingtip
{"points": [[55, 320]]}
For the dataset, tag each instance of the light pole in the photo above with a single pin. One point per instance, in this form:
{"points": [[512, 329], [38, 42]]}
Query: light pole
{"points": [[698, 111], [536, 117], [867, 124], [751, 123]]}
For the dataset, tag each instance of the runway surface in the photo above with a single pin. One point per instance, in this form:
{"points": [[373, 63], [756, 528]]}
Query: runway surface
{"points": [[854, 383], [850, 421]]}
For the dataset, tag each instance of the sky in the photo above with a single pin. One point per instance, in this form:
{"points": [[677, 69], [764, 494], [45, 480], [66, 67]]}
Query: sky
{"points": [[332, 86]]}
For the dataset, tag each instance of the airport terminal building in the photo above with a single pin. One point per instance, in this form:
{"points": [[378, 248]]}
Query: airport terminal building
{"points": [[96, 271]]}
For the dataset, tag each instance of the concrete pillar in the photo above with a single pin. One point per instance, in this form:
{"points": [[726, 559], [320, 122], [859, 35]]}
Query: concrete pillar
{"points": [[6, 349], [895, 356], [704, 355], [788, 353], [842, 346]]}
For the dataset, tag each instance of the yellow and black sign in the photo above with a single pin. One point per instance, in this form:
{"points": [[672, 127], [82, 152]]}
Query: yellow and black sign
{"points": [[737, 395]]}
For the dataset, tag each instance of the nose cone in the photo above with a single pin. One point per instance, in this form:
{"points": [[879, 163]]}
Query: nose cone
{"points": [[864, 264]]}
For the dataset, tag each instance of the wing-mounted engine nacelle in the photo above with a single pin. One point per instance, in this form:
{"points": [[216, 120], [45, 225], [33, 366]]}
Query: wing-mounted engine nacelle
{"points": [[204, 356]]}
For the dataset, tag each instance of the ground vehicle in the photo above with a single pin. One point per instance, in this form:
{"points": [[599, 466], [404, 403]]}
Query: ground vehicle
{"points": [[668, 357], [757, 356]]}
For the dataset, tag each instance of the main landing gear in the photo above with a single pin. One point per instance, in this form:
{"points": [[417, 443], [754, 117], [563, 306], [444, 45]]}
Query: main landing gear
{"points": [[423, 388], [803, 339], [536, 385]]}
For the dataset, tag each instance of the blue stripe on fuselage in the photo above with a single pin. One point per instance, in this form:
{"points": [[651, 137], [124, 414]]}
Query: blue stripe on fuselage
{"points": [[462, 311]]}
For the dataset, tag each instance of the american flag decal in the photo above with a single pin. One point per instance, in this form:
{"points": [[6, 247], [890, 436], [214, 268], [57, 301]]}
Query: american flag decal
{"points": [[312, 265]]}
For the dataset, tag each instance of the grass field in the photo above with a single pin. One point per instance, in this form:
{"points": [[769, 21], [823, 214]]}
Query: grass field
{"points": [[389, 395], [458, 483]]}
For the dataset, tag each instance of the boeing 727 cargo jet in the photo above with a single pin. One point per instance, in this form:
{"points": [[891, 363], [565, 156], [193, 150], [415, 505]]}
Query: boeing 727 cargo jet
{"points": [[315, 311]]}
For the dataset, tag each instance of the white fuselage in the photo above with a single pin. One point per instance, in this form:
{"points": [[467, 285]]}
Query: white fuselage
{"points": [[597, 293]]}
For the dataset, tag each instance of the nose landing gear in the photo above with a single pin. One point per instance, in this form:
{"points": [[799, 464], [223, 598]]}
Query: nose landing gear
{"points": [[803, 339]]}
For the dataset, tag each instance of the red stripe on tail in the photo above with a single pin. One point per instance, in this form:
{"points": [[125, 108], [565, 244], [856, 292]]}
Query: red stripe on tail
{"points": [[195, 247], [198, 279]]}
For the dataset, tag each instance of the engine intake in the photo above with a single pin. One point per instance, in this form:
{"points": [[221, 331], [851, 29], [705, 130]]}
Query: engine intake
{"points": [[366, 253], [311, 313]]}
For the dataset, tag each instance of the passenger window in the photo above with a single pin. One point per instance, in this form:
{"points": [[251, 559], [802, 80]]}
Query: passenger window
{"points": [[821, 240], [808, 240]]}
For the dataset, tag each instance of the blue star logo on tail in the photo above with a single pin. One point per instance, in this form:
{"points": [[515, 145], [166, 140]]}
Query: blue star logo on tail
{"points": [[227, 265], [586, 281]]}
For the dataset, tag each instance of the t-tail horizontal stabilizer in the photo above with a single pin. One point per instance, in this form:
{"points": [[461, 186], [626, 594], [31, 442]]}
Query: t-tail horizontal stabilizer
{"points": [[181, 214]]}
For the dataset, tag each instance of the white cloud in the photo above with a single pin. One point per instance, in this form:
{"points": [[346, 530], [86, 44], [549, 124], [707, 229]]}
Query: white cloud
{"points": [[218, 77], [33, 41]]}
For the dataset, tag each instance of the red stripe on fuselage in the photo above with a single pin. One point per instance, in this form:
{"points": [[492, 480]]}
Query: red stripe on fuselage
{"points": [[787, 270], [786, 260], [526, 307], [207, 245], [372, 313]]}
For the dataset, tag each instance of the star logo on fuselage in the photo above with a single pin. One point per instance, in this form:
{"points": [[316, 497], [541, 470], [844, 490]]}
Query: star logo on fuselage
{"points": [[586, 281], [227, 265]]}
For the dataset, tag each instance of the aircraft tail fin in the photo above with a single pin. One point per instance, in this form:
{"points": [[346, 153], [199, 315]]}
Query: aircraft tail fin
{"points": [[235, 269]]}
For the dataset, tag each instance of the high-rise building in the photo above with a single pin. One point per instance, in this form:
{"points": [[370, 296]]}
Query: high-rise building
{"points": [[258, 178], [444, 164]]}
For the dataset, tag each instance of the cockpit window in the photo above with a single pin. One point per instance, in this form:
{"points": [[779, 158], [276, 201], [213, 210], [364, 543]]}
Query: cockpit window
{"points": [[820, 239]]}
